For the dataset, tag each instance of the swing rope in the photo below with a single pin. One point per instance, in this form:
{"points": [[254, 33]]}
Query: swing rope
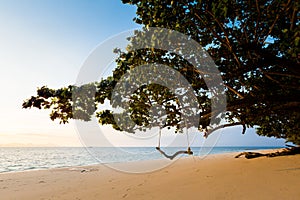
{"points": [[188, 143], [189, 151], [171, 157], [159, 136]]}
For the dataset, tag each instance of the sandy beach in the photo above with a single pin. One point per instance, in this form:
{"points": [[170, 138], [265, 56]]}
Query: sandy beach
{"points": [[214, 177]]}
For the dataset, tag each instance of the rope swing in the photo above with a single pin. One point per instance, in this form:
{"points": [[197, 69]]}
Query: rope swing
{"points": [[171, 157]]}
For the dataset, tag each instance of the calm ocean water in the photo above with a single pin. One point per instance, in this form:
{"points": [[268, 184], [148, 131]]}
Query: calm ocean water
{"points": [[29, 158]]}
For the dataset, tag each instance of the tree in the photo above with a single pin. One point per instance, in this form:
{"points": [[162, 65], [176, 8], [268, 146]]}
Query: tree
{"points": [[255, 45]]}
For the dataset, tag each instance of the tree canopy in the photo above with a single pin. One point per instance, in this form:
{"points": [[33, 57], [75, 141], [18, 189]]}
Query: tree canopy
{"points": [[254, 44]]}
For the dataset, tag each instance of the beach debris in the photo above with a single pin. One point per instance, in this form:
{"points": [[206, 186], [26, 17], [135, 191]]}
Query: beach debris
{"points": [[82, 170], [292, 150], [250, 155]]}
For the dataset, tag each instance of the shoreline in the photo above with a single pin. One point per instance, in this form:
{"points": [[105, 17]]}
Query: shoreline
{"points": [[217, 176], [256, 149]]}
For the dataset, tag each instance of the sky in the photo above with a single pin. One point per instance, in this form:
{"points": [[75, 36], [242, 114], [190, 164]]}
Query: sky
{"points": [[46, 43]]}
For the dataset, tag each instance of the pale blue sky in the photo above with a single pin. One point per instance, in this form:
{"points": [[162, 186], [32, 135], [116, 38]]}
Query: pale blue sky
{"points": [[45, 42]]}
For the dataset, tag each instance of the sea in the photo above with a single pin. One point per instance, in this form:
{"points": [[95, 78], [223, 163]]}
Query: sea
{"points": [[15, 159]]}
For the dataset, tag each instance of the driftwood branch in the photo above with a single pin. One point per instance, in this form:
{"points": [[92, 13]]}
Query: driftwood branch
{"points": [[287, 151], [171, 157]]}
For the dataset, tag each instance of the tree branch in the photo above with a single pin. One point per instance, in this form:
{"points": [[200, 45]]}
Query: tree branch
{"points": [[206, 134]]}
